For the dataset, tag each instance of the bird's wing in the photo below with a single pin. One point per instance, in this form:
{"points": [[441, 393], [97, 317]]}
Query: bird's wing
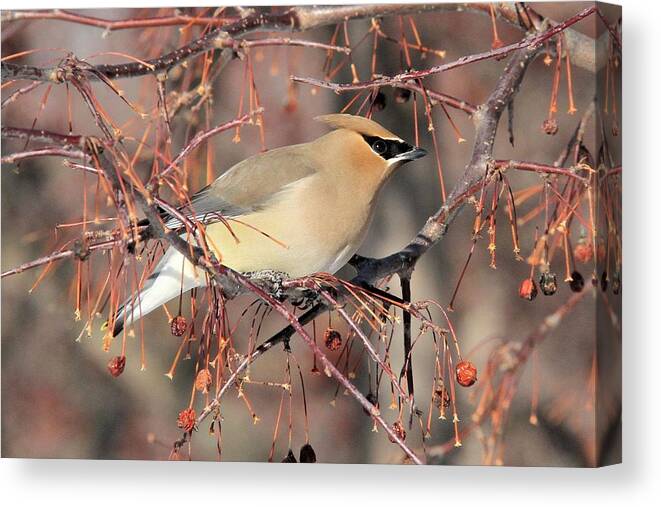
{"points": [[247, 186]]}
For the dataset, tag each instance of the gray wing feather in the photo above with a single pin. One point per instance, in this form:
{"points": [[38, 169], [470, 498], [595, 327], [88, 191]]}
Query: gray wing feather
{"points": [[247, 186]]}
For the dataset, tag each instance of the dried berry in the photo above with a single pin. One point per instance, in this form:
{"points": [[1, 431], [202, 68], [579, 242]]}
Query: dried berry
{"points": [[203, 380], [548, 283], [550, 126], [332, 339], [577, 282], [402, 95], [290, 458], [528, 289], [187, 420], [178, 325], [466, 373], [441, 398], [379, 103], [307, 454], [583, 252], [398, 429], [116, 365]]}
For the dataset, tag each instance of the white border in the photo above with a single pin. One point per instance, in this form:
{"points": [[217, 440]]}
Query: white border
{"points": [[25, 482]]}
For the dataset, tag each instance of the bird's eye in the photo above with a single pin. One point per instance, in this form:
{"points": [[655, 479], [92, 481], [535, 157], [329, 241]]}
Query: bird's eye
{"points": [[379, 146]]}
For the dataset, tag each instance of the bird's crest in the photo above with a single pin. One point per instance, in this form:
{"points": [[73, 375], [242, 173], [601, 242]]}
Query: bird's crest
{"points": [[358, 124]]}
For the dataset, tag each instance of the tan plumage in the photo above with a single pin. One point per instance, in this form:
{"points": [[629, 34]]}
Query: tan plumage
{"points": [[299, 209]]}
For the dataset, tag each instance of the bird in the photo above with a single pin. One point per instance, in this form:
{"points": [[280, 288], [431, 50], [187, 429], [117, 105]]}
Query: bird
{"points": [[297, 210]]}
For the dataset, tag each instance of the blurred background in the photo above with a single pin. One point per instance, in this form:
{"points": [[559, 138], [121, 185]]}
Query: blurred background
{"points": [[58, 399]]}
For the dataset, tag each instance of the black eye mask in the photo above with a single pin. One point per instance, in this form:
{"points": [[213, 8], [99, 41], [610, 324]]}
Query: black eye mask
{"points": [[387, 148]]}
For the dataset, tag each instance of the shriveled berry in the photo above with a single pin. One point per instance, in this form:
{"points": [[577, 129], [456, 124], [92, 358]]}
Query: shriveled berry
{"points": [[548, 283], [577, 282], [550, 126], [178, 325], [203, 380], [187, 420], [528, 289], [116, 365], [307, 454], [398, 429], [290, 458], [466, 373], [332, 339], [441, 398], [402, 95]]}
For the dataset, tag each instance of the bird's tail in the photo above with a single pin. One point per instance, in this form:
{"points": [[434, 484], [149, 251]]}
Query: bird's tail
{"points": [[173, 276]]}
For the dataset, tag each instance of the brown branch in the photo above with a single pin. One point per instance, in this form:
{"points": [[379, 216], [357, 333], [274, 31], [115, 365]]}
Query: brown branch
{"points": [[44, 136], [64, 254], [18, 93], [538, 168], [54, 151], [435, 97], [120, 24]]}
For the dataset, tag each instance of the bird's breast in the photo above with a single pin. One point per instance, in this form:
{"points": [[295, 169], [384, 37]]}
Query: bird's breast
{"points": [[315, 224]]}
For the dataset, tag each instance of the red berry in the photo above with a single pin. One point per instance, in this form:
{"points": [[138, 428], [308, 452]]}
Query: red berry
{"points": [[116, 365], [187, 420], [178, 325], [528, 289], [398, 429], [466, 373]]}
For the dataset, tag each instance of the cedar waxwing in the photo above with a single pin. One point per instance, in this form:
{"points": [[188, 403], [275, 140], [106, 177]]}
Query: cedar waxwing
{"points": [[298, 210]]}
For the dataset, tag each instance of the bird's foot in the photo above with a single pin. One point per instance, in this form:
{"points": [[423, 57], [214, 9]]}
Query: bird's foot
{"points": [[272, 281]]}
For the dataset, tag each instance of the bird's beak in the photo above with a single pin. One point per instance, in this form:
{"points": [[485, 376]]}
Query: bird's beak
{"points": [[413, 154]]}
